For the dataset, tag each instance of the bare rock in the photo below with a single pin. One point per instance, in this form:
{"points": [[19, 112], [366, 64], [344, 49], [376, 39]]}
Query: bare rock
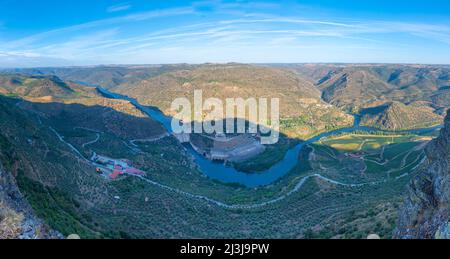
{"points": [[426, 211]]}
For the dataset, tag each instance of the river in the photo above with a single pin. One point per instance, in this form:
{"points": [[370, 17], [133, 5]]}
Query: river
{"points": [[226, 174]]}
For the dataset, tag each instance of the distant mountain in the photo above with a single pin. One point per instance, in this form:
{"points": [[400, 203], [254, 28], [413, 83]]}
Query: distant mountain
{"points": [[223, 81], [106, 76], [397, 116], [353, 87], [300, 101], [348, 86], [68, 102], [441, 99], [34, 86], [426, 211], [311, 95]]}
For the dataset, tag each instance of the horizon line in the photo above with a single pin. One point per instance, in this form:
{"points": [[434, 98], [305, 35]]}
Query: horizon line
{"points": [[230, 63]]}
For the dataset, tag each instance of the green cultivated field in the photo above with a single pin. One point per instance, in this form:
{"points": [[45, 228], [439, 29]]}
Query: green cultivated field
{"points": [[368, 158], [319, 210], [357, 142]]}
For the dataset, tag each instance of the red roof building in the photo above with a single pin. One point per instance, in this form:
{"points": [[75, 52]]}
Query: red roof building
{"points": [[115, 174]]}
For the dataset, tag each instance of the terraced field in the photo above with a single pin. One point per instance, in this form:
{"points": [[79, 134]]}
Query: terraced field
{"points": [[358, 142], [369, 157]]}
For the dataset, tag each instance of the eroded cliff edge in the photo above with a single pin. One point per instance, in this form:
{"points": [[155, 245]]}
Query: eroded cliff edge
{"points": [[17, 219], [426, 212]]}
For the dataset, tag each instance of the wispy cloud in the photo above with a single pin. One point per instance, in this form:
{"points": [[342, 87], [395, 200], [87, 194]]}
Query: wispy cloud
{"points": [[141, 16], [220, 32], [18, 54], [118, 8]]}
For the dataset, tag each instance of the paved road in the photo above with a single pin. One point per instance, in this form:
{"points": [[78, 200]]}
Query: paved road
{"points": [[149, 139], [93, 141], [296, 188]]}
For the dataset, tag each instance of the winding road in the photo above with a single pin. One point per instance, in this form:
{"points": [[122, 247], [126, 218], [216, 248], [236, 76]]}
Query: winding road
{"points": [[93, 141], [293, 156], [296, 188], [154, 139]]}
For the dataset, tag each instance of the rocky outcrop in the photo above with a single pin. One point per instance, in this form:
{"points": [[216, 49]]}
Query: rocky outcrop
{"points": [[426, 212], [17, 220]]}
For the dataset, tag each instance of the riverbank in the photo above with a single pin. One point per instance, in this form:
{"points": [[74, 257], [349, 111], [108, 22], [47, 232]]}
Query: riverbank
{"points": [[227, 174]]}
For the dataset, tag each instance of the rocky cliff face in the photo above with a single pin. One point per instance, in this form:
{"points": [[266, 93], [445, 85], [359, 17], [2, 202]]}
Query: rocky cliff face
{"points": [[17, 220], [426, 212]]}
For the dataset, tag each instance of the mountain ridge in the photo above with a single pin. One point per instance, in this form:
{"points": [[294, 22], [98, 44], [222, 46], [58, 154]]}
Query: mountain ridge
{"points": [[397, 116]]}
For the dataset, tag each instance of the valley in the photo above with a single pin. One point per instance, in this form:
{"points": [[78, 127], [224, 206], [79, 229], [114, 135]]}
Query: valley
{"points": [[328, 177], [229, 124]]}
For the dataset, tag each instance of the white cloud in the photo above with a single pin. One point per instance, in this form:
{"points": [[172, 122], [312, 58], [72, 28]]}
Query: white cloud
{"points": [[142, 16], [216, 38], [19, 54], [118, 8]]}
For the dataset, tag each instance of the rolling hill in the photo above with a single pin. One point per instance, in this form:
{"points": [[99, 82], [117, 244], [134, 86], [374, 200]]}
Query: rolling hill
{"points": [[303, 112], [301, 108], [354, 87], [350, 87], [34, 86], [71, 103], [106, 76], [227, 81], [397, 116]]}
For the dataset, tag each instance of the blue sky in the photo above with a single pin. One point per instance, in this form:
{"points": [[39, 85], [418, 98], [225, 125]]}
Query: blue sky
{"points": [[65, 33]]}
